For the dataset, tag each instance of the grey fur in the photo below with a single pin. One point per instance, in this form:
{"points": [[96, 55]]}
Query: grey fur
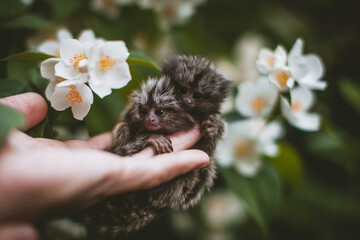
{"points": [[119, 215]]}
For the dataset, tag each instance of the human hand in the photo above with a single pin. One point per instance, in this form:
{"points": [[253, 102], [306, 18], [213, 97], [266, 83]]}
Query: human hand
{"points": [[39, 176]]}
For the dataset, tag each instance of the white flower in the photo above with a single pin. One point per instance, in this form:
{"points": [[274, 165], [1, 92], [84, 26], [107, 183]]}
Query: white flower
{"points": [[247, 141], [27, 2], [87, 35], [230, 71], [52, 47], [108, 67], [74, 60], [47, 70], [306, 69], [256, 99], [222, 209], [268, 60], [174, 12], [78, 96], [246, 53], [282, 78], [110, 8], [302, 100]]}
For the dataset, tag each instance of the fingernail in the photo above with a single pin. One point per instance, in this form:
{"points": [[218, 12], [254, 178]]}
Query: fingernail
{"points": [[203, 165]]}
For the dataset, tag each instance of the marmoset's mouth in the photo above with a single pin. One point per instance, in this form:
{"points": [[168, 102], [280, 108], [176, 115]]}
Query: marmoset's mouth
{"points": [[153, 127]]}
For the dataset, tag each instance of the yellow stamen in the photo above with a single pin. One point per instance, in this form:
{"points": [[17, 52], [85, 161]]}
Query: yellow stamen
{"points": [[109, 3], [106, 64], [57, 53], [258, 104], [59, 79], [76, 59], [282, 77], [242, 149], [169, 11], [296, 106], [270, 60], [74, 96]]}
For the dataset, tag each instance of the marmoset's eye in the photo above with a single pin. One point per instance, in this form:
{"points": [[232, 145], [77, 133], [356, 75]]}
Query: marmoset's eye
{"points": [[197, 95], [183, 90], [159, 112], [143, 112]]}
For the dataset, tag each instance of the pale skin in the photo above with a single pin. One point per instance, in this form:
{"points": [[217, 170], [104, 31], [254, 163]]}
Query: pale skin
{"points": [[40, 176]]}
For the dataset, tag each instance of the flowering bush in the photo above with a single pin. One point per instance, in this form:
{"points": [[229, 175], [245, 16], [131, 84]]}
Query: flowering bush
{"points": [[288, 165]]}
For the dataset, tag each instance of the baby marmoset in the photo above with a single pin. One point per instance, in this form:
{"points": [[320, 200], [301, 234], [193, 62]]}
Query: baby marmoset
{"points": [[153, 113], [190, 91], [200, 90]]}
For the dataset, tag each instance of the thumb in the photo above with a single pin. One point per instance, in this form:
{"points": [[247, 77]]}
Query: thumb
{"points": [[32, 105], [18, 231]]}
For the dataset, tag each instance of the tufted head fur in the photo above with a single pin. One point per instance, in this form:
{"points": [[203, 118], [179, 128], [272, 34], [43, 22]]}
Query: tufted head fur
{"points": [[199, 87], [157, 96]]}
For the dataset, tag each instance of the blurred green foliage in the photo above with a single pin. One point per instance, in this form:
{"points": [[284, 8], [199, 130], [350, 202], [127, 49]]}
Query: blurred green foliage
{"points": [[310, 191]]}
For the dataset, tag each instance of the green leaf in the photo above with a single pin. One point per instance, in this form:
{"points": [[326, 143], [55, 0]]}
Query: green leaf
{"points": [[28, 56], [29, 21], [288, 165], [337, 147], [105, 113], [10, 87], [9, 119], [260, 194], [22, 71], [39, 130], [65, 8], [351, 92], [136, 60], [11, 8]]}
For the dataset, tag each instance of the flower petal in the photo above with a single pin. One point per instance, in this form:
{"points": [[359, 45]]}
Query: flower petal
{"points": [[47, 68], [63, 34], [279, 57], [303, 120], [316, 85], [116, 49], [306, 121], [80, 110], [58, 99], [100, 90], [50, 90], [66, 71], [271, 132], [248, 167], [303, 96], [116, 78], [85, 92], [71, 82], [69, 48], [50, 47], [263, 64], [87, 36], [296, 50], [270, 149]]}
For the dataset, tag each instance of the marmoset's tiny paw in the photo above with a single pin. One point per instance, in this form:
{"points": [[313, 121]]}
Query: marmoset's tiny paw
{"points": [[212, 127], [162, 144]]}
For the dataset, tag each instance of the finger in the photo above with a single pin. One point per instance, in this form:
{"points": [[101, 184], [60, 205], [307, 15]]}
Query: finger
{"points": [[98, 142], [180, 141], [147, 173], [18, 231], [185, 140], [173, 165], [30, 104]]}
